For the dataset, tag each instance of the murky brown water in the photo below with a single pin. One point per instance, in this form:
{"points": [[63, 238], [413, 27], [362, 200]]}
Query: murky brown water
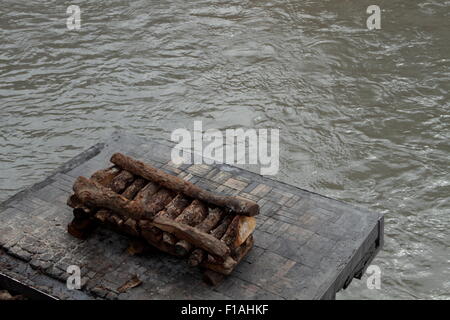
{"points": [[364, 116]]}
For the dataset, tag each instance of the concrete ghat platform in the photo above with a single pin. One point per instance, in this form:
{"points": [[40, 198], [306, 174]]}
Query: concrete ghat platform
{"points": [[306, 246]]}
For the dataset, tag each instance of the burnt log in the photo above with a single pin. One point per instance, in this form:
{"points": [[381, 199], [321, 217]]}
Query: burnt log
{"points": [[236, 204]]}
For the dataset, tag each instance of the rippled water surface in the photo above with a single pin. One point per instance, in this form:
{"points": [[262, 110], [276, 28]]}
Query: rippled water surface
{"points": [[364, 116]]}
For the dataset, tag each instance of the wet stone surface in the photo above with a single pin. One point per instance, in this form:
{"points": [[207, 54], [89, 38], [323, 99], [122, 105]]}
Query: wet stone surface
{"points": [[306, 246]]}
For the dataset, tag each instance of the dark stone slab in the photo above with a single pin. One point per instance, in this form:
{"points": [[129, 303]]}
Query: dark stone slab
{"points": [[306, 246]]}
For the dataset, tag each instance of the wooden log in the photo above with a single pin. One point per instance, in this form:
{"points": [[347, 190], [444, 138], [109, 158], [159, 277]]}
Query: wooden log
{"points": [[220, 230], [82, 225], [172, 211], [132, 190], [121, 181], [93, 194], [225, 267], [74, 202], [115, 180], [153, 239], [79, 210], [240, 252], [199, 239], [115, 221], [145, 194], [82, 213], [193, 215], [236, 204], [169, 238], [238, 231], [212, 219], [198, 255], [231, 261], [105, 176], [150, 232], [160, 200], [176, 206], [183, 248], [102, 215], [144, 197]]}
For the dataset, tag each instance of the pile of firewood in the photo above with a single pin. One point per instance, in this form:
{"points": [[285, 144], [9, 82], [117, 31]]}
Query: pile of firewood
{"points": [[173, 215]]}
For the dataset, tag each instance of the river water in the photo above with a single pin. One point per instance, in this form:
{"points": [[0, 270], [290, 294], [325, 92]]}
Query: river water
{"points": [[364, 116]]}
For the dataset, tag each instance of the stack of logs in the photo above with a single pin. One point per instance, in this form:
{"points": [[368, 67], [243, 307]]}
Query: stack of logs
{"points": [[173, 215]]}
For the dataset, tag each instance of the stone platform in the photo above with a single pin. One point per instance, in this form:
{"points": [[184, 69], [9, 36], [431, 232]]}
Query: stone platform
{"points": [[306, 246]]}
